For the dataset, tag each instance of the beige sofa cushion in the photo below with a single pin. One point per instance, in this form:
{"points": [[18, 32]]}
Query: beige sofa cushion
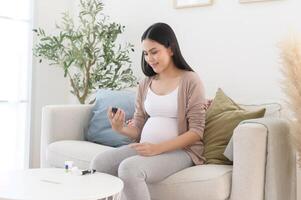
{"points": [[208, 182], [272, 110], [80, 152]]}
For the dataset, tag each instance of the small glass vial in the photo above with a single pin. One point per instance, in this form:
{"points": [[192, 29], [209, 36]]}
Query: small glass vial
{"points": [[68, 166]]}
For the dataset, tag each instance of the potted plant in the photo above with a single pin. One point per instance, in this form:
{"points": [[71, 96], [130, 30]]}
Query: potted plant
{"points": [[87, 52]]}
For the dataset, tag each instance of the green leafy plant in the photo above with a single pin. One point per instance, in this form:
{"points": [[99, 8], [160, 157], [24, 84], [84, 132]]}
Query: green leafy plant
{"points": [[87, 52]]}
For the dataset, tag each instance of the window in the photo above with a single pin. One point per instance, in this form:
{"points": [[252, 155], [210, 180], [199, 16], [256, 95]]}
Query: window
{"points": [[15, 62]]}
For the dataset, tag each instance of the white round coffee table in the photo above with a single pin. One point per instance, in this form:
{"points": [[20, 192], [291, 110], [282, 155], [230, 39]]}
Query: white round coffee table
{"points": [[56, 184]]}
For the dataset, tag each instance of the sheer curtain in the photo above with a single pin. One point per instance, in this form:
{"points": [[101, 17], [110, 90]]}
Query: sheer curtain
{"points": [[15, 70]]}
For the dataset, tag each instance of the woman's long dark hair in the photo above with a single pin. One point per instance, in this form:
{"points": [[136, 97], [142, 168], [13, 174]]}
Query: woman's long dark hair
{"points": [[163, 34]]}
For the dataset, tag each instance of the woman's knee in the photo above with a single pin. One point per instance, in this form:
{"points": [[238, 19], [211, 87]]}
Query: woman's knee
{"points": [[130, 168], [109, 160], [100, 163]]}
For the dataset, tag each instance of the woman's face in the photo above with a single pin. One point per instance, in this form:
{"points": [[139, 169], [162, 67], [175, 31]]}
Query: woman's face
{"points": [[156, 55]]}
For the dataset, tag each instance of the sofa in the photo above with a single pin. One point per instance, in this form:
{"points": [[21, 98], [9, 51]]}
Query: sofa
{"points": [[263, 160]]}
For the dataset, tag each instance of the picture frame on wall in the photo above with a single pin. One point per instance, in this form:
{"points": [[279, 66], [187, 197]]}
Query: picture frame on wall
{"points": [[191, 3], [254, 1]]}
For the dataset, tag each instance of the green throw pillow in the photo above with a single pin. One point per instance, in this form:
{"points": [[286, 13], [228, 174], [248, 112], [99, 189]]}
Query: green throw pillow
{"points": [[222, 117]]}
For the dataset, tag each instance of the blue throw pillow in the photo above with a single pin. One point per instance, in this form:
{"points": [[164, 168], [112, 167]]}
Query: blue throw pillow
{"points": [[99, 130]]}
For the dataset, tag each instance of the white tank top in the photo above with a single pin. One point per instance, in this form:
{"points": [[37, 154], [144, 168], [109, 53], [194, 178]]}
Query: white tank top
{"points": [[162, 125]]}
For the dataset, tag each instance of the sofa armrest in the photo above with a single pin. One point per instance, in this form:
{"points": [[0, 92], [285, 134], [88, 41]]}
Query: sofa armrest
{"points": [[263, 161], [63, 122], [249, 158]]}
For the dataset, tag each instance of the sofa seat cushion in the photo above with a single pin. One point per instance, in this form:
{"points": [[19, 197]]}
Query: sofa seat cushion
{"points": [[193, 183], [80, 152], [210, 182]]}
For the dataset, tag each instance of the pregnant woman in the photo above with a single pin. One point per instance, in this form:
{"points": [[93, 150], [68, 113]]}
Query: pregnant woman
{"points": [[168, 123]]}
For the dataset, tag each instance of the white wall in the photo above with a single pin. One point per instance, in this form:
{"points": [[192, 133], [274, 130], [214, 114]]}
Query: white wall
{"points": [[231, 45], [48, 86]]}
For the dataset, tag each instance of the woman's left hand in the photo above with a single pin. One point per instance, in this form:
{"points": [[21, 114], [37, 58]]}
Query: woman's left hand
{"points": [[146, 149]]}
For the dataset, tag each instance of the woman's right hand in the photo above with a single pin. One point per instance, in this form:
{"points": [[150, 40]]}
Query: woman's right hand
{"points": [[117, 119]]}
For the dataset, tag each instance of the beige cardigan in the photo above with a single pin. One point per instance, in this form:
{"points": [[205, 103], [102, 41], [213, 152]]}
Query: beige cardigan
{"points": [[191, 111]]}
